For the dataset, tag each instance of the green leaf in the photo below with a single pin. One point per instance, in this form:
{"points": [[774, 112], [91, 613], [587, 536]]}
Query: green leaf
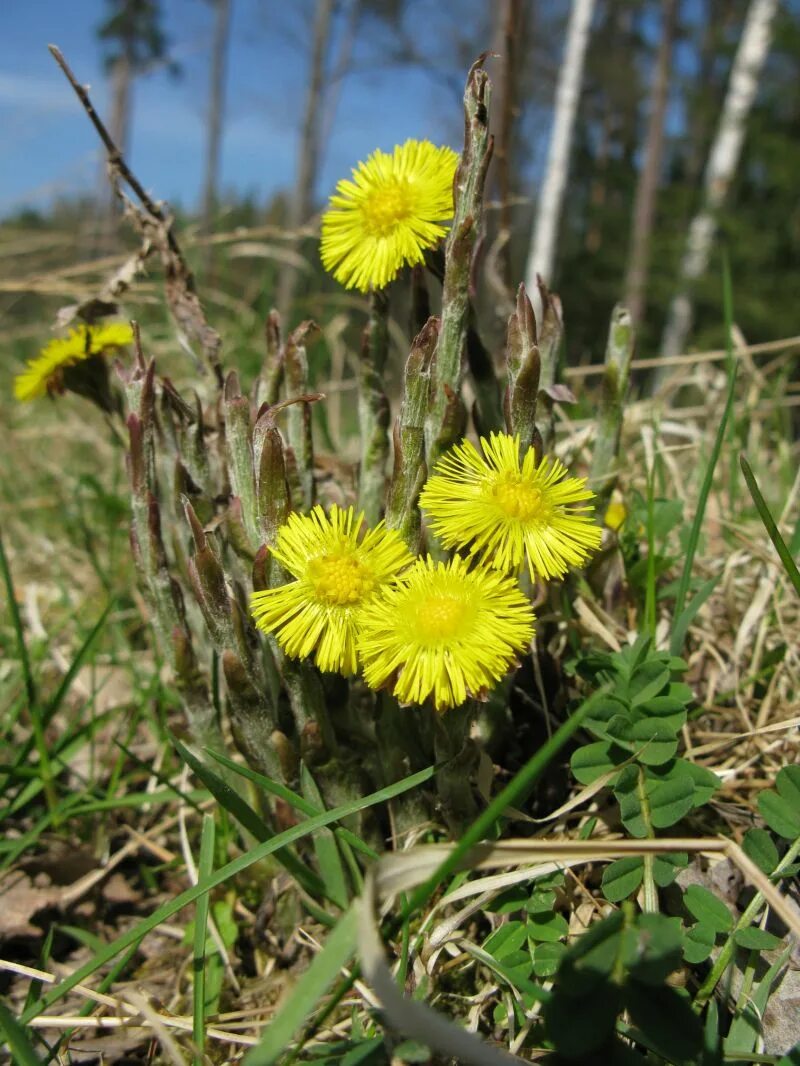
{"points": [[513, 899], [411, 1051], [668, 791], [579, 1028], [670, 794], [706, 908], [648, 681], [603, 708], [669, 711], [706, 783], [779, 814], [652, 742], [547, 958], [666, 1019], [549, 927], [666, 867], [712, 1055], [367, 1053], [755, 939], [653, 948], [590, 961], [788, 782], [759, 846], [626, 792], [622, 878], [541, 902], [698, 943], [507, 939], [593, 760], [656, 743], [323, 971]]}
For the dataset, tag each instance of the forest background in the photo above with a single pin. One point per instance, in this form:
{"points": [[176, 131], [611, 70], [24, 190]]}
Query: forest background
{"points": [[244, 113]]}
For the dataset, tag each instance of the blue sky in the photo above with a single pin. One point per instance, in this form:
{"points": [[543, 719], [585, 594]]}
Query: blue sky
{"points": [[50, 149]]}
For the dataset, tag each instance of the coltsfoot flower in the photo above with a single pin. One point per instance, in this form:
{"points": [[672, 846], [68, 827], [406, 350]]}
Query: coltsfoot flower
{"points": [[509, 510], [337, 575], [392, 210], [616, 513], [444, 631], [45, 373]]}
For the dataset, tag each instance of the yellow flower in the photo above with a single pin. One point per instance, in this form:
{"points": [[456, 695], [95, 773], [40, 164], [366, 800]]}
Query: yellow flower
{"points": [[337, 575], [506, 509], [616, 513], [44, 373], [444, 631], [388, 214]]}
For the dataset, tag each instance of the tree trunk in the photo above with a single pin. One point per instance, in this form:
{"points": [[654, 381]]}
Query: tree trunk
{"points": [[721, 167], [121, 78], [119, 128], [509, 43], [649, 176], [216, 110], [302, 203], [543, 244]]}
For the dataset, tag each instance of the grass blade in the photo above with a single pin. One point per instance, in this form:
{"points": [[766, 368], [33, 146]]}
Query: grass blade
{"points": [[688, 614], [205, 864], [251, 821], [315, 982], [219, 877], [770, 525], [300, 803], [19, 1044], [325, 847], [708, 477], [77, 662], [19, 632]]}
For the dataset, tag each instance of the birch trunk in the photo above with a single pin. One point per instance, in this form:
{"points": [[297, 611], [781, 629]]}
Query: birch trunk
{"points": [[721, 167], [216, 108], [647, 185], [542, 252]]}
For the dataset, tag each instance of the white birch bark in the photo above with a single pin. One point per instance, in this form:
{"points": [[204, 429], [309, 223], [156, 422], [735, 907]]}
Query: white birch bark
{"points": [[551, 198], [721, 167]]}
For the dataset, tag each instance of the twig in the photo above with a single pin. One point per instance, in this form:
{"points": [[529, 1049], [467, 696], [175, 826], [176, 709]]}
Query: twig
{"points": [[115, 157]]}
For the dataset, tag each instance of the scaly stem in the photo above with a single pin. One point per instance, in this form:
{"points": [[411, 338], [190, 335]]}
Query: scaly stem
{"points": [[612, 405], [445, 421], [373, 409], [410, 470]]}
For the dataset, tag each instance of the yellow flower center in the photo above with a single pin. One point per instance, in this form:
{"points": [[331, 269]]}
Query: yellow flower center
{"points": [[440, 617], [388, 205], [340, 579], [518, 498]]}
